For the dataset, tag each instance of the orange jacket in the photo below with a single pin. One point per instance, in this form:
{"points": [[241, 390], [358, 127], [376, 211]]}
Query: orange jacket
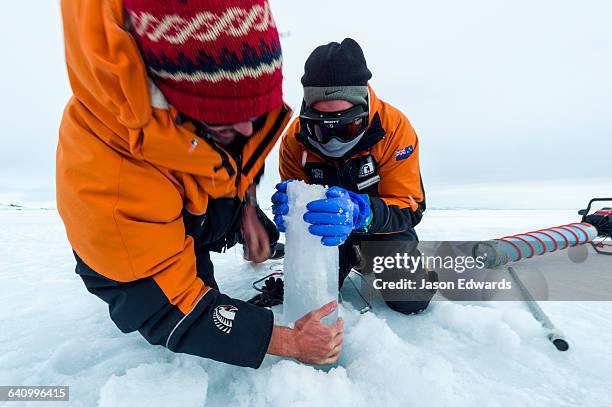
{"points": [[126, 169], [392, 144]]}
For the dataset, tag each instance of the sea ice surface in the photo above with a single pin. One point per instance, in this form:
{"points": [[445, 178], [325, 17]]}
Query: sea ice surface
{"points": [[52, 331]]}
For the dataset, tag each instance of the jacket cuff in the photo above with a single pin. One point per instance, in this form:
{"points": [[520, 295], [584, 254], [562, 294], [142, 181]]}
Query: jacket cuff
{"points": [[379, 216], [224, 329]]}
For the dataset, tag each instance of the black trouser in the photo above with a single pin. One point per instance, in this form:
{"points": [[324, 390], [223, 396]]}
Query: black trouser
{"points": [[406, 302]]}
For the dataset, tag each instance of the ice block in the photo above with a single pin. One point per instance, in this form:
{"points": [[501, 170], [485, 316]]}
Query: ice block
{"points": [[310, 269]]}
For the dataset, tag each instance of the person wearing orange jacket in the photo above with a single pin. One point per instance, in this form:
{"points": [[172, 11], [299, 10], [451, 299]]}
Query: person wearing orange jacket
{"points": [[176, 105], [367, 152]]}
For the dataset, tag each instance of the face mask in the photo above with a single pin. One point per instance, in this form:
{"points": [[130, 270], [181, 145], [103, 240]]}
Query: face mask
{"points": [[335, 148]]}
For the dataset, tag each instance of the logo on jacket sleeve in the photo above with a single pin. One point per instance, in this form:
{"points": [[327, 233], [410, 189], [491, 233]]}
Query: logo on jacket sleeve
{"points": [[223, 317], [403, 153]]}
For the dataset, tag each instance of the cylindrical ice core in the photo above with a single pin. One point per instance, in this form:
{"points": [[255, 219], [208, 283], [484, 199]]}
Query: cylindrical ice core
{"points": [[310, 269]]}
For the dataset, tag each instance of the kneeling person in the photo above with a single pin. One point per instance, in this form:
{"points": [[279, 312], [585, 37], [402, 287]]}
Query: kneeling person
{"points": [[365, 150]]}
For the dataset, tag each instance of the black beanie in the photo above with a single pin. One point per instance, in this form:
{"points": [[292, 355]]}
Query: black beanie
{"points": [[338, 67]]}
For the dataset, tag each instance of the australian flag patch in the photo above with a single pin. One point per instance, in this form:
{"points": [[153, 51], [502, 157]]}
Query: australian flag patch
{"points": [[403, 153]]}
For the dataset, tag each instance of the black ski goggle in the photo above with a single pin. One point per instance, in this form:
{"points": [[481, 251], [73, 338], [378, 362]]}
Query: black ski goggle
{"points": [[344, 125]]}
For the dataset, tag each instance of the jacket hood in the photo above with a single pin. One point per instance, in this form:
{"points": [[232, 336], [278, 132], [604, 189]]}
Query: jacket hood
{"points": [[124, 110], [105, 68]]}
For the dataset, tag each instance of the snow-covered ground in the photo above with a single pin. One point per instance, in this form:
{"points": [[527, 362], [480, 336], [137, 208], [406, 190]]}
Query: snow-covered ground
{"points": [[53, 332]]}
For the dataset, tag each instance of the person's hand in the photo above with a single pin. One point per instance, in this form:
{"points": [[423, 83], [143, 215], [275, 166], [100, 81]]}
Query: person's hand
{"points": [[280, 205], [310, 341], [256, 238], [335, 217], [318, 343]]}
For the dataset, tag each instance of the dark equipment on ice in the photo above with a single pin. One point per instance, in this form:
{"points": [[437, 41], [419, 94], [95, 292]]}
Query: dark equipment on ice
{"points": [[602, 221], [270, 292]]}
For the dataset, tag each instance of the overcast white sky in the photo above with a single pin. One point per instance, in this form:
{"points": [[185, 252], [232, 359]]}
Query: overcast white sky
{"points": [[514, 93]]}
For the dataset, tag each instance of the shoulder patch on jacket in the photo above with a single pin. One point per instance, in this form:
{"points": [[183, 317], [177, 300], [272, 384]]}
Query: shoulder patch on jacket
{"points": [[403, 153]]}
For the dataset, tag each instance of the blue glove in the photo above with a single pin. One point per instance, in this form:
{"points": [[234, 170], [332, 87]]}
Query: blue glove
{"points": [[335, 217], [280, 205]]}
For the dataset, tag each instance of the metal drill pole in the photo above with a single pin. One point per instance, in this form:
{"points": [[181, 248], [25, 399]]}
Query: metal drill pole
{"points": [[554, 335]]}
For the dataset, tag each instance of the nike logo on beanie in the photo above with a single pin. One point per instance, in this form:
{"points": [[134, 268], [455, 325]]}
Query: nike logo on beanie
{"points": [[327, 92]]}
